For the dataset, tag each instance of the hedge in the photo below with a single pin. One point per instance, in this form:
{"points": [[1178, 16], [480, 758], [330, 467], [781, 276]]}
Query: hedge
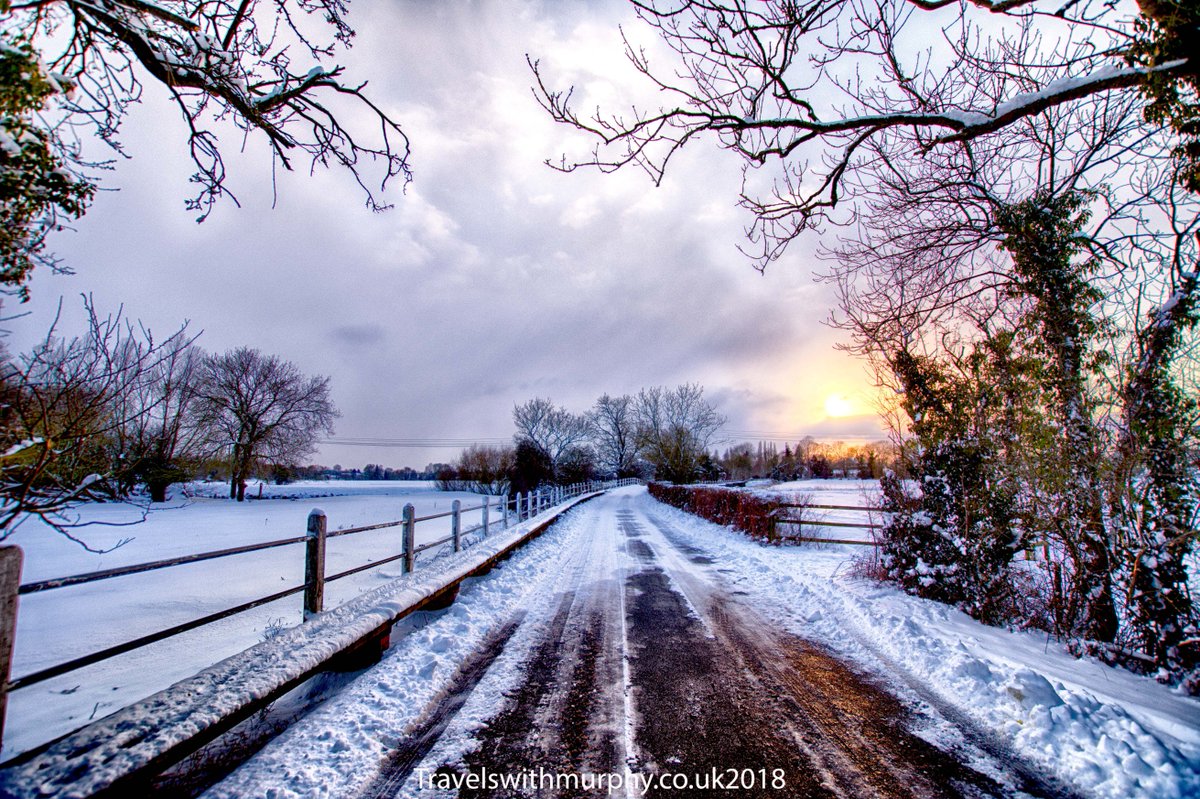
{"points": [[742, 510]]}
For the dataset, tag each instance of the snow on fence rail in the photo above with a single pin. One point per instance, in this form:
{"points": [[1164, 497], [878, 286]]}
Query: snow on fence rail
{"points": [[519, 508]]}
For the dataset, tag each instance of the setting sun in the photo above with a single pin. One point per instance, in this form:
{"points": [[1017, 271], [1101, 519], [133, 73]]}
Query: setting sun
{"points": [[838, 405]]}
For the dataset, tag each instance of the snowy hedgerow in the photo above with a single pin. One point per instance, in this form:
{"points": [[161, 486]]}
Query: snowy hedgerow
{"points": [[742, 510]]}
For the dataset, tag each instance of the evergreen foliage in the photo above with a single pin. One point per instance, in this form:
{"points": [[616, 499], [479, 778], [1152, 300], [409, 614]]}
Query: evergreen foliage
{"points": [[36, 189]]}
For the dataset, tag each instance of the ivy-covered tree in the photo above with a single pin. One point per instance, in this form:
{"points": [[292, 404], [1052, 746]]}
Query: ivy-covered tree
{"points": [[1157, 490], [1168, 33], [1043, 236], [953, 537]]}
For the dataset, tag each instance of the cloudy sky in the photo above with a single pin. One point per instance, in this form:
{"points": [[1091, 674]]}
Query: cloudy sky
{"points": [[494, 278]]}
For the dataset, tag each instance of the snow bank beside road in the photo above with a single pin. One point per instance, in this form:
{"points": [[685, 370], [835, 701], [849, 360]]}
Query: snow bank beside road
{"points": [[93, 758], [340, 746], [1104, 731]]}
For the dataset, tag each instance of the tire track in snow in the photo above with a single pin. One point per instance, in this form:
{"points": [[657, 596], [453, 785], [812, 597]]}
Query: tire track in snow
{"points": [[695, 680], [401, 761], [564, 709], [781, 703], [1026, 780]]}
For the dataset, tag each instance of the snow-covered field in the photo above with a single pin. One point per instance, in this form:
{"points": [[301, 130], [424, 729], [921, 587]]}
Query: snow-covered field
{"points": [[1105, 732], [851, 493], [58, 625]]}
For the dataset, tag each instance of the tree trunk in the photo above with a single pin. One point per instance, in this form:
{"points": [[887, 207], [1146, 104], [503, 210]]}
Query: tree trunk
{"points": [[1042, 236], [236, 474], [158, 490], [1154, 445]]}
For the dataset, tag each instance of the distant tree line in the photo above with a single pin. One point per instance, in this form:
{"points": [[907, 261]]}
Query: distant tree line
{"points": [[372, 471], [95, 416], [662, 433], [809, 458]]}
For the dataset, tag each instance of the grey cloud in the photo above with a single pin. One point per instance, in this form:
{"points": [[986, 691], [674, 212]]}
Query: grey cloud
{"points": [[493, 279], [359, 335]]}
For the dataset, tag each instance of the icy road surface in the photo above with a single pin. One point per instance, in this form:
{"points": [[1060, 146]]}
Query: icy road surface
{"points": [[633, 640]]}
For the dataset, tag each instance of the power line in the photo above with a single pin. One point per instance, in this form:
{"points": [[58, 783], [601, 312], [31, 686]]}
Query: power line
{"points": [[459, 442], [414, 443]]}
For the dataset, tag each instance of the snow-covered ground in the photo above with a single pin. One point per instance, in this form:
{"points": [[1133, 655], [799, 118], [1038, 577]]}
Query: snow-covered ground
{"points": [[850, 493], [1106, 732], [58, 625], [1102, 729]]}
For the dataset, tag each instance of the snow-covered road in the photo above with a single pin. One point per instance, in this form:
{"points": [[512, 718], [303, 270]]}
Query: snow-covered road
{"points": [[632, 639]]}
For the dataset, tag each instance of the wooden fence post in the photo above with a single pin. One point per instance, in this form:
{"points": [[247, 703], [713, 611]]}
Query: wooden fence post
{"points": [[10, 581], [410, 538], [486, 502], [504, 510], [456, 524], [314, 563]]}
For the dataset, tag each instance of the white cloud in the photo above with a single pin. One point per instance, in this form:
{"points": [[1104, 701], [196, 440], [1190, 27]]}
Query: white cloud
{"points": [[494, 278]]}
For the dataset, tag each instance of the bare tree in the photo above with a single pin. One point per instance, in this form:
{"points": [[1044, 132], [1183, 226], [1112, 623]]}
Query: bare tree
{"points": [[61, 404], [614, 434], [807, 85], [484, 469], [550, 428], [163, 444], [258, 408], [675, 428], [266, 67]]}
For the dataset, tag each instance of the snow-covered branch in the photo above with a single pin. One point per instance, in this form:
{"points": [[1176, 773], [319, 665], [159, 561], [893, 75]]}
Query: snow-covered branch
{"points": [[802, 88], [220, 60]]}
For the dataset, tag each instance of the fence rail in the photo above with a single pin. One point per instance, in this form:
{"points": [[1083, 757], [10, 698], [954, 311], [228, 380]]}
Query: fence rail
{"points": [[519, 508], [781, 515]]}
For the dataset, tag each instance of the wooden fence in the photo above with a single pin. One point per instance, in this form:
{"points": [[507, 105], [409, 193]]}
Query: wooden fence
{"points": [[783, 516], [516, 509]]}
